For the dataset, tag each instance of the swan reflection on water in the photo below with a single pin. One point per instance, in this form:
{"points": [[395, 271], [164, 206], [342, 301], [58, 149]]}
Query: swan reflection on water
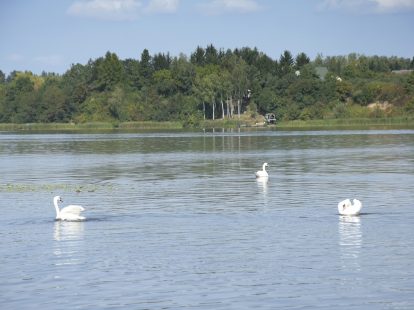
{"points": [[68, 230], [350, 241], [68, 238], [262, 184]]}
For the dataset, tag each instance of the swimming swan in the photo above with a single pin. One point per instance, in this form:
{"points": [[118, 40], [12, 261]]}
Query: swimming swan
{"points": [[262, 173], [69, 213], [345, 207]]}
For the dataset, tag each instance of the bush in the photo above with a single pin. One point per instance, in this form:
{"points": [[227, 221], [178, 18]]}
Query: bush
{"points": [[340, 110], [409, 107]]}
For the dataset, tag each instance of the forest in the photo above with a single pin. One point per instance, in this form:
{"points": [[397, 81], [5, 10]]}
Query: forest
{"points": [[211, 84]]}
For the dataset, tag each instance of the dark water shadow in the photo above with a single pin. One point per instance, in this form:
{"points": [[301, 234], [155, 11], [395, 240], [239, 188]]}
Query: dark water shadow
{"points": [[362, 214]]}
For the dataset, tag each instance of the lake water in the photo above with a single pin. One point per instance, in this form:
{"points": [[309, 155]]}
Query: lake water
{"points": [[178, 220]]}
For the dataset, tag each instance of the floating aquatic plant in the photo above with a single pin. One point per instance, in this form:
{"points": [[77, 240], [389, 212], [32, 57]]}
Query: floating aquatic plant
{"points": [[30, 187]]}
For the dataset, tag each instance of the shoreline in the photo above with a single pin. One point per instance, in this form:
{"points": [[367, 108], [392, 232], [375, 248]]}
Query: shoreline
{"points": [[324, 124]]}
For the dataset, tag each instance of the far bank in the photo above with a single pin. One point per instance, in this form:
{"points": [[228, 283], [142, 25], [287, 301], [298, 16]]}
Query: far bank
{"points": [[325, 124]]}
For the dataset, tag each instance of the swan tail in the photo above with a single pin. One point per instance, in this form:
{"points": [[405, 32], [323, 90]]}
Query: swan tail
{"points": [[357, 203]]}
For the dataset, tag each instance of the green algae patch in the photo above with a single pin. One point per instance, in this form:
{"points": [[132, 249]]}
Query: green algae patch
{"points": [[29, 187]]}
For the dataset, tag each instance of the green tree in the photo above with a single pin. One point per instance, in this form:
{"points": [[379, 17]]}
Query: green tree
{"points": [[286, 63], [183, 73], [301, 60], [116, 105], [266, 65], [2, 77], [343, 90], [164, 82], [267, 101], [250, 56], [77, 84], [211, 55], [145, 68], [52, 105], [109, 72], [132, 73], [198, 57], [161, 61], [19, 101]]}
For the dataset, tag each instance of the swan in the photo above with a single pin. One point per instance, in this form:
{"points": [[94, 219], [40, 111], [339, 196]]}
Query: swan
{"points": [[345, 207], [262, 173], [69, 213]]}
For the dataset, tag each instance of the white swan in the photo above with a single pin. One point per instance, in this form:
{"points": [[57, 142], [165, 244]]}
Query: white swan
{"points": [[69, 213], [262, 173], [345, 207]]}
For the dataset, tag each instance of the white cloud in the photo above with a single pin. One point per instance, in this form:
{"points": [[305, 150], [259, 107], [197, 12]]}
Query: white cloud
{"points": [[162, 6], [379, 6], [119, 10], [106, 9], [338, 4], [392, 5], [230, 6]]}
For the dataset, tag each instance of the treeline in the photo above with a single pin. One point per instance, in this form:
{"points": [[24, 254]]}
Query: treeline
{"points": [[211, 84]]}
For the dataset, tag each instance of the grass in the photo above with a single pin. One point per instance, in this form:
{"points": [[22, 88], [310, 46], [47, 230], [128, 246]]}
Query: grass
{"points": [[90, 126], [351, 123]]}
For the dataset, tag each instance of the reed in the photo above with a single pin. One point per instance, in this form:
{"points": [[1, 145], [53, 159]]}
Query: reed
{"points": [[348, 123], [90, 126], [150, 125]]}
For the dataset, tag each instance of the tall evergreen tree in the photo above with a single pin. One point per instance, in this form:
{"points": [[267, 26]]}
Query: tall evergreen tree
{"points": [[301, 60], [161, 61], [2, 77], [211, 55], [286, 62], [198, 57], [145, 65]]}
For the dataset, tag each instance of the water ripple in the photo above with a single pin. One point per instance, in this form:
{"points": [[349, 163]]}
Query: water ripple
{"points": [[178, 220]]}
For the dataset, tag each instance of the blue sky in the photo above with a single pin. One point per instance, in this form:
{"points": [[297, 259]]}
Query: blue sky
{"points": [[50, 35]]}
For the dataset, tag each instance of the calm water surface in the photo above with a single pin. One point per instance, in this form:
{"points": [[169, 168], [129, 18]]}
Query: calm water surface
{"points": [[178, 220]]}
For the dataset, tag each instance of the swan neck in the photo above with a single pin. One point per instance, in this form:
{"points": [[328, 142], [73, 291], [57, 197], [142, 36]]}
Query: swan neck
{"points": [[264, 167], [55, 202]]}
